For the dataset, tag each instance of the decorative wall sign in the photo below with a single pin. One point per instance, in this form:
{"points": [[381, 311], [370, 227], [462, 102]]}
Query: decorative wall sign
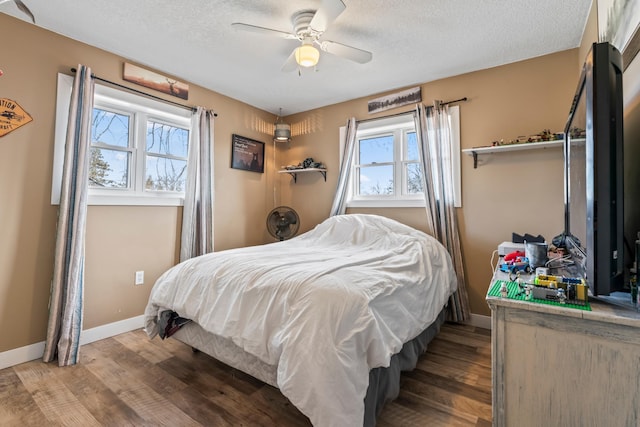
{"points": [[140, 76], [247, 154], [409, 96], [12, 116]]}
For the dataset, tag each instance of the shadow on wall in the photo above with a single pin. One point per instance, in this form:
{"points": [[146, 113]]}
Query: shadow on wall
{"points": [[312, 123], [258, 124]]}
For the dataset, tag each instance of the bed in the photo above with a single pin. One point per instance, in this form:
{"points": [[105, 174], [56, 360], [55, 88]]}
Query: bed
{"points": [[329, 317]]}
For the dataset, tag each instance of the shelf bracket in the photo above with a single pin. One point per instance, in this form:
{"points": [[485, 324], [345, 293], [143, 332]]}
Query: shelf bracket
{"points": [[475, 159], [294, 175]]}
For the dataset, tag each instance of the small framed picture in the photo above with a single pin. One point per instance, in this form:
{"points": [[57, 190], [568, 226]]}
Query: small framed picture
{"points": [[247, 154]]}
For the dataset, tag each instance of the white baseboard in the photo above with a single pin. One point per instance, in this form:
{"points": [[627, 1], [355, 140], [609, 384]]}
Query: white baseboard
{"points": [[111, 329], [480, 321], [20, 355], [35, 351]]}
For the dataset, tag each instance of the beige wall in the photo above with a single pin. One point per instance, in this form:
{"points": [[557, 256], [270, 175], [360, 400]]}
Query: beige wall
{"points": [[120, 240], [509, 192]]}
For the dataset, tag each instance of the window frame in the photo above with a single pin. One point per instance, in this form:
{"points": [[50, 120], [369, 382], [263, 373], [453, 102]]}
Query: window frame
{"points": [[406, 123], [398, 128], [141, 110]]}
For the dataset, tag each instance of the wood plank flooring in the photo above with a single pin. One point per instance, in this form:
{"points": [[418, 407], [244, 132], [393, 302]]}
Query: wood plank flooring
{"points": [[129, 380]]}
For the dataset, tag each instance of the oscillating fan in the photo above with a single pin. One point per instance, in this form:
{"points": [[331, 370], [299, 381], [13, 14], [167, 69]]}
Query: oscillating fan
{"points": [[283, 222]]}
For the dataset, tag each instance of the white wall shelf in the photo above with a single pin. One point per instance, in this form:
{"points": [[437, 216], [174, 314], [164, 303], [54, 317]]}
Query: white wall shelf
{"points": [[510, 147], [294, 172]]}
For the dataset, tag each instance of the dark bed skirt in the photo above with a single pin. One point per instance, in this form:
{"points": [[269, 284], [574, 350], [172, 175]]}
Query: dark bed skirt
{"points": [[384, 383]]}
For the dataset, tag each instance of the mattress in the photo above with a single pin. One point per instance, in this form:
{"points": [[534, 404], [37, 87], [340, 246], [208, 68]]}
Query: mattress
{"points": [[226, 351]]}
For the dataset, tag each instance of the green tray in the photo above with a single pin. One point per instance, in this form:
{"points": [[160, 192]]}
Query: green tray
{"points": [[514, 290]]}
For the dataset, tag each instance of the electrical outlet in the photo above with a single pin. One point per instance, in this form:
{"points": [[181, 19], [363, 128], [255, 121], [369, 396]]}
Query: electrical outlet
{"points": [[139, 278]]}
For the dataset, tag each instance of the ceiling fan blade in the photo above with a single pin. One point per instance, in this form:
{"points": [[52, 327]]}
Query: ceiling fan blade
{"points": [[262, 30], [348, 52], [23, 8], [328, 12], [290, 64]]}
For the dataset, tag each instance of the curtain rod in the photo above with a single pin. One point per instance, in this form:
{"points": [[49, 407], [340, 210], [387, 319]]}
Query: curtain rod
{"points": [[409, 112], [188, 107], [451, 102]]}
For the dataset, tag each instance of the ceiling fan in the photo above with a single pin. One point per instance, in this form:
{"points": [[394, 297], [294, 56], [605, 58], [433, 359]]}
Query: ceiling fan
{"points": [[23, 8], [308, 28]]}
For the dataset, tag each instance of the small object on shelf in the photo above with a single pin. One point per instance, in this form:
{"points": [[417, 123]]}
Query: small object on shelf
{"points": [[562, 297], [515, 265], [503, 290]]}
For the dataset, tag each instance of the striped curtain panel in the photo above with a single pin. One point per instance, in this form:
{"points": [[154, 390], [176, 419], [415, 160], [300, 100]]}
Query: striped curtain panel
{"points": [[339, 206], [197, 213], [66, 299], [433, 131]]}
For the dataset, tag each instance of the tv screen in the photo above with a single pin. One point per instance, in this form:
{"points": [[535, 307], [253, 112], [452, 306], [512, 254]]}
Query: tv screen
{"points": [[577, 174], [594, 216]]}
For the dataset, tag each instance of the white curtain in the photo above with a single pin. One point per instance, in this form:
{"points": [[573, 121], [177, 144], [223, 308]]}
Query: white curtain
{"points": [[197, 214], [339, 206], [433, 131], [66, 299]]}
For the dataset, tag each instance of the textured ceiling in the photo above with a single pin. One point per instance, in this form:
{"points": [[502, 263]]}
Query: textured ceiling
{"points": [[413, 41]]}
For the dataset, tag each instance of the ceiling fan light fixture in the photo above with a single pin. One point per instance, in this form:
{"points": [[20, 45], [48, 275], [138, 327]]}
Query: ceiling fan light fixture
{"points": [[307, 55]]}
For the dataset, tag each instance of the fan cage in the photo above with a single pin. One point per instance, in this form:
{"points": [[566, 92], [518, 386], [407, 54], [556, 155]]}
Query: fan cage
{"points": [[283, 223]]}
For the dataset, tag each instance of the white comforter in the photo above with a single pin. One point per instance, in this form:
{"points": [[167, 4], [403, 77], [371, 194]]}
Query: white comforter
{"points": [[325, 307]]}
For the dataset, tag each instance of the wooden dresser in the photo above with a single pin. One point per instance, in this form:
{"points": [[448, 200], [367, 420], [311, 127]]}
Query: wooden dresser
{"points": [[559, 366]]}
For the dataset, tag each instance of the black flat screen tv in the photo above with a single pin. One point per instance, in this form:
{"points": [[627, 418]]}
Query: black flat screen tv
{"points": [[593, 172]]}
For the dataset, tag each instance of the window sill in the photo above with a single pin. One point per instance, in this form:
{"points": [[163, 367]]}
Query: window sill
{"points": [[101, 200]]}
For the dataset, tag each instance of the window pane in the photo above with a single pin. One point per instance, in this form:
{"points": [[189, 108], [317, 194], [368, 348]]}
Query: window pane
{"points": [[166, 139], [376, 180], [109, 168], [412, 146], [163, 174], [376, 150], [110, 128], [414, 178]]}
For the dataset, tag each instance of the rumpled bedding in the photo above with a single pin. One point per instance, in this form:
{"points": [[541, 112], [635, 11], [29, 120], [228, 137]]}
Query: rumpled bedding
{"points": [[325, 307]]}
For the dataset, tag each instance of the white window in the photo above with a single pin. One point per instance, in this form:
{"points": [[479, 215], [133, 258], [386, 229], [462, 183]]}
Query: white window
{"points": [[386, 168], [139, 148]]}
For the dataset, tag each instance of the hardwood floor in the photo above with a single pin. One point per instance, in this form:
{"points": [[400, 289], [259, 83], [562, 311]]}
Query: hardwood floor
{"points": [[129, 380]]}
